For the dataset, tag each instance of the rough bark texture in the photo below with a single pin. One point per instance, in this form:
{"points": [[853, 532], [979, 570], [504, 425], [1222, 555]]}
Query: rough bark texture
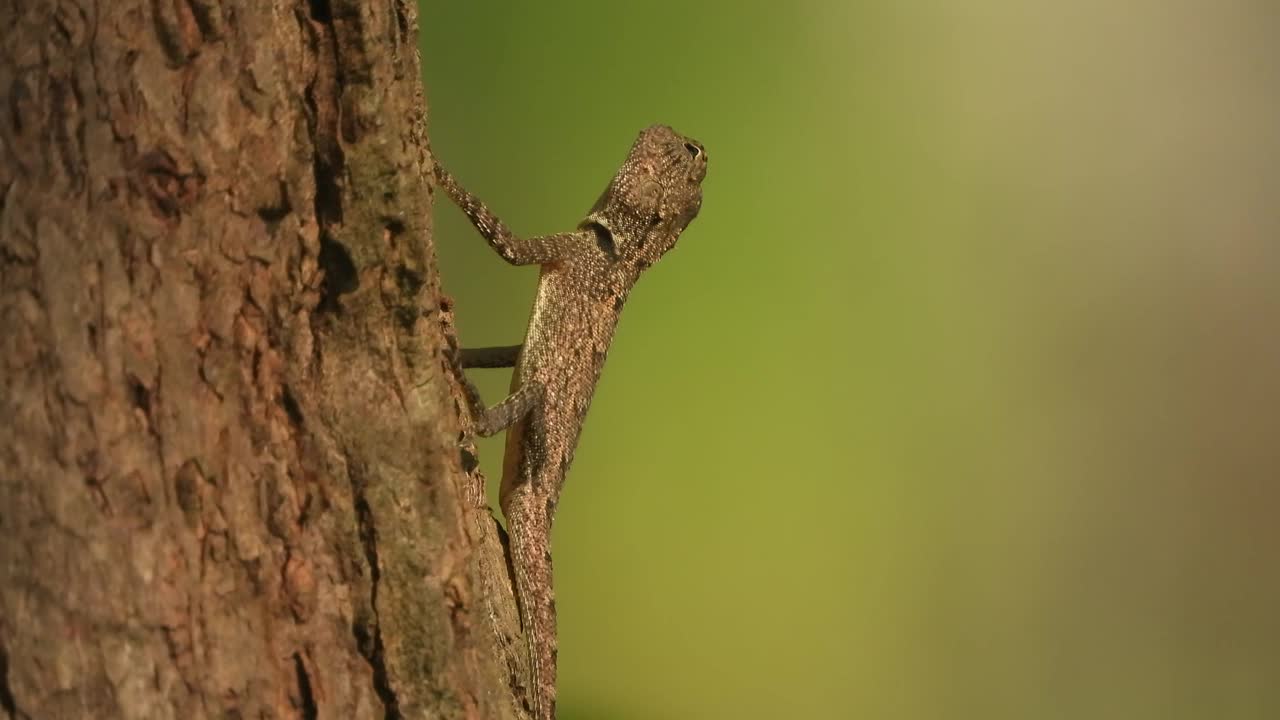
{"points": [[230, 482]]}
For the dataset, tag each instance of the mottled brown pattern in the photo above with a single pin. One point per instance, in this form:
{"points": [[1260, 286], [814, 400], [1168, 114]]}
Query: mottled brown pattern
{"points": [[586, 276], [229, 480]]}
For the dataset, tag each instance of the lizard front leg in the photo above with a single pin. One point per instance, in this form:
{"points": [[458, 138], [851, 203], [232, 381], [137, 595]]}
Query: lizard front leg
{"points": [[515, 250]]}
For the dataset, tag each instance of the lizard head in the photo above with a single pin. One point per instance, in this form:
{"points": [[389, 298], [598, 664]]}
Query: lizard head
{"points": [[655, 195]]}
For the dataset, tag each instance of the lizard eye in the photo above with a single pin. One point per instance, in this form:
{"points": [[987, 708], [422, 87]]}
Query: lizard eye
{"points": [[694, 150]]}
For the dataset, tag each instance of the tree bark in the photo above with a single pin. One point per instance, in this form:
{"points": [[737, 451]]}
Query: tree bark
{"points": [[230, 477]]}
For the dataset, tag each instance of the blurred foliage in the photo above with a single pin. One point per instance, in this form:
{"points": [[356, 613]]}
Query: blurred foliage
{"points": [[959, 400]]}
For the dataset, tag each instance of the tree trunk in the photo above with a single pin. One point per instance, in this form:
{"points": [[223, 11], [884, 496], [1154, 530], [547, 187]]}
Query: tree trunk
{"points": [[230, 477]]}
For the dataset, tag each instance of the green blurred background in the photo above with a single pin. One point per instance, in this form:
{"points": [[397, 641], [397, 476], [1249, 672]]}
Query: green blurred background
{"points": [[961, 397]]}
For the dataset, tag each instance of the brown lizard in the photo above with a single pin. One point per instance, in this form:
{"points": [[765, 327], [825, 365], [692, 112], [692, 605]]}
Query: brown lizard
{"points": [[585, 278]]}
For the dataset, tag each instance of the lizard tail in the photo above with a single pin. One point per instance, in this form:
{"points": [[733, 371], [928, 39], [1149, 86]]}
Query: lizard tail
{"points": [[530, 533]]}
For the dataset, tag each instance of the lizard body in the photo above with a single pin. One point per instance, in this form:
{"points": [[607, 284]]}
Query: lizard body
{"points": [[585, 278]]}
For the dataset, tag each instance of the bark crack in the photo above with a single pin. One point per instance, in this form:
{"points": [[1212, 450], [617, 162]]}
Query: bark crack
{"points": [[328, 162], [340, 274], [369, 639], [307, 696], [323, 95], [7, 702]]}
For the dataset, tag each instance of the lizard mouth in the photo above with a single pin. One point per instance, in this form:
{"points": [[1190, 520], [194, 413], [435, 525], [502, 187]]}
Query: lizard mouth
{"points": [[694, 208]]}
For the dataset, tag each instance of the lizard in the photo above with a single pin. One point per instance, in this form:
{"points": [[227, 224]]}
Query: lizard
{"points": [[584, 281]]}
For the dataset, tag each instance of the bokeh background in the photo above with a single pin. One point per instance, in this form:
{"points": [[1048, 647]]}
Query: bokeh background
{"points": [[961, 398]]}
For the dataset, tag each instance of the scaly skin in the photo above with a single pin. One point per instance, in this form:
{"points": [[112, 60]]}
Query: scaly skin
{"points": [[586, 276]]}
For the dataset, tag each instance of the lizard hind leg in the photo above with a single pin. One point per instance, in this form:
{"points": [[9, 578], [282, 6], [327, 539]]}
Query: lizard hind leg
{"points": [[491, 421], [487, 421], [502, 356]]}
